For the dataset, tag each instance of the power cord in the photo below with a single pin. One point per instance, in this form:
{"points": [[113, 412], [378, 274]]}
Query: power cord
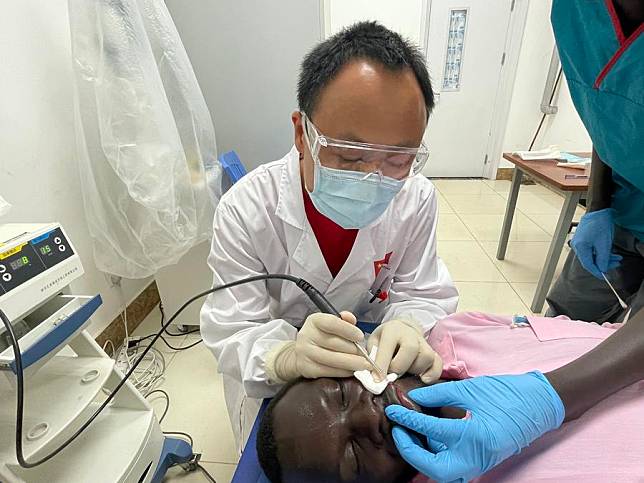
{"points": [[314, 295], [167, 402], [144, 378], [133, 342], [192, 466], [206, 474], [167, 332]]}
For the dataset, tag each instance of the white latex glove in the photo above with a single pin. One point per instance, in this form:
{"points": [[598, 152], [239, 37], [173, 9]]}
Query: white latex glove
{"points": [[402, 348], [323, 348]]}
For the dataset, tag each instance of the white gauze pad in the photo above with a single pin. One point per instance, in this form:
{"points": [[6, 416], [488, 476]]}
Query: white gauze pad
{"points": [[366, 378]]}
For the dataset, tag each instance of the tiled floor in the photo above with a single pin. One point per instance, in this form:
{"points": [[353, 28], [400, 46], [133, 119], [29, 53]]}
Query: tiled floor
{"points": [[470, 223], [471, 215], [197, 404]]}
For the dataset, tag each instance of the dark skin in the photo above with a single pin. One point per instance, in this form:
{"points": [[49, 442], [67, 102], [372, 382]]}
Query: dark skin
{"points": [[630, 14], [616, 362], [335, 430]]}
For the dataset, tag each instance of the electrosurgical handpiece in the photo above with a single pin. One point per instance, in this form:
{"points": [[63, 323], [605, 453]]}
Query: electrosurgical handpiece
{"points": [[325, 306]]}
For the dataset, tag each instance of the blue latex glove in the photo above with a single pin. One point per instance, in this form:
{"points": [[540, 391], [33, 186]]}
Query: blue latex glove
{"points": [[507, 413], [593, 242]]}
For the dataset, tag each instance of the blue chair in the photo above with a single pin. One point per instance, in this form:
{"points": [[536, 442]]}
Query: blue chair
{"points": [[232, 166]]}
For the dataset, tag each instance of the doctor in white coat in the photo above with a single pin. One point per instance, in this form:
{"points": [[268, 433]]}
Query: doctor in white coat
{"points": [[347, 210]]}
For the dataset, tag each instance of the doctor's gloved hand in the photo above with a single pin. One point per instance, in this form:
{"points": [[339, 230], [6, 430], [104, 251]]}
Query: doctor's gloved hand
{"points": [[593, 242], [323, 348], [402, 348], [506, 413]]}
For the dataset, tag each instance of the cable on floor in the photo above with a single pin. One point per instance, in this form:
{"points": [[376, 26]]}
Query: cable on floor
{"points": [[167, 402], [167, 332], [150, 372], [164, 340], [206, 474]]}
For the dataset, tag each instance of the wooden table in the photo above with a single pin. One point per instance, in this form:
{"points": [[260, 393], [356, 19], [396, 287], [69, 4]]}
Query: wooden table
{"points": [[547, 172]]}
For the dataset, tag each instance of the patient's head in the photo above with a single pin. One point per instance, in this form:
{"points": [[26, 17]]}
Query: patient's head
{"points": [[333, 430]]}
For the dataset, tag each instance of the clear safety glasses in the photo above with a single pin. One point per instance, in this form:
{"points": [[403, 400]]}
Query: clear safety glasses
{"points": [[392, 161]]}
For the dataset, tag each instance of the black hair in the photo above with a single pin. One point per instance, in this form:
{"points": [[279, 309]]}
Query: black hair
{"points": [[362, 40], [266, 446]]}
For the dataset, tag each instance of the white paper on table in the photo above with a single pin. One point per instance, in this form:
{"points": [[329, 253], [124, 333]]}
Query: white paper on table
{"points": [[551, 152]]}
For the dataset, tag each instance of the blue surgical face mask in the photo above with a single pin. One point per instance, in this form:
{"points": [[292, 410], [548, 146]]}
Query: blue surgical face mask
{"points": [[350, 198]]}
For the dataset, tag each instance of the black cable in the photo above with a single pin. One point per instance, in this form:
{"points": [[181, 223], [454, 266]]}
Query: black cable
{"points": [[167, 402], [20, 401], [175, 433], [206, 474], [178, 334], [543, 118], [138, 341], [314, 295], [181, 348]]}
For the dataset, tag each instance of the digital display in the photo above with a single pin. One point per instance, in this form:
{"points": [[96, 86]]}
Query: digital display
{"points": [[28, 260], [19, 262]]}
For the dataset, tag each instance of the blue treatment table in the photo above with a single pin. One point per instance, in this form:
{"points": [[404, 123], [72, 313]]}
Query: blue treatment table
{"points": [[248, 469]]}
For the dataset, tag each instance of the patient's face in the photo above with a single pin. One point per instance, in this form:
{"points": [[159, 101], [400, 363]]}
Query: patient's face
{"points": [[335, 430]]}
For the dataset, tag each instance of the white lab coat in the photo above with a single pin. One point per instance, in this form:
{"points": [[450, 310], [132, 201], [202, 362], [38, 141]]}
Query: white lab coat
{"points": [[260, 226]]}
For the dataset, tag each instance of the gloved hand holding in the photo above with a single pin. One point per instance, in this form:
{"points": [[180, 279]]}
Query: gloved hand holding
{"points": [[593, 242], [506, 414], [323, 348], [402, 348]]}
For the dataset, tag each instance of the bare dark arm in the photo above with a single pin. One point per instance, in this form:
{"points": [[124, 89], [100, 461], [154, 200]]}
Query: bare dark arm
{"points": [[601, 184], [619, 360], [614, 364]]}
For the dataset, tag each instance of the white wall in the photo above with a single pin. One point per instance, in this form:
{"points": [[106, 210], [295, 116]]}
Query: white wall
{"points": [[402, 17], [38, 172], [564, 128], [246, 56]]}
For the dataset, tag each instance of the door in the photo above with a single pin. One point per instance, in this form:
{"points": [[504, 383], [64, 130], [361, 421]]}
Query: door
{"points": [[464, 55]]}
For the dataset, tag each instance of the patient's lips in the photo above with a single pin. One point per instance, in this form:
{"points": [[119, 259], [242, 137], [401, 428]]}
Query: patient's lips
{"points": [[405, 400], [394, 394]]}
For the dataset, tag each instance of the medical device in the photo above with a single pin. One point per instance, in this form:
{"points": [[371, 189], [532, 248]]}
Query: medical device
{"points": [[325, 306], [54, 376]]}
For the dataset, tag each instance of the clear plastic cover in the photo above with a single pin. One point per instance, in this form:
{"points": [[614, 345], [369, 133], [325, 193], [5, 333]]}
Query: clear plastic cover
{"points": [[4, 206], [145, 140]]}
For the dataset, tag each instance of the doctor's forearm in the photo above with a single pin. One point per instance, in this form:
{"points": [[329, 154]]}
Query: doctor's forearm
{"points": [[614, 364]]}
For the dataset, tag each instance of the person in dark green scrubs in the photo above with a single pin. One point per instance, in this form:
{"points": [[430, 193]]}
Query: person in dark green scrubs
{"points": [[601, 45], [603, 59]]}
